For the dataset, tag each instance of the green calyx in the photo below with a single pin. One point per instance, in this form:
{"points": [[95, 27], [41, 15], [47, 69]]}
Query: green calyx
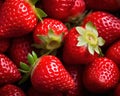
{"points": [[51, 41], [89, 37], [39, 12], [25, 68]]}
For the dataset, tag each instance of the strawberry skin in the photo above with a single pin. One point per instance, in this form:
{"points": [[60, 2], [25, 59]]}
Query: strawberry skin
{"points": [[108, 5], [113, 52], [63, 9], [48, 23], [73, 54], [17, 18], [8, 70], [103, 73], [21, 46], [11, 90], [50, 33], [49, 75], [108, 25]]}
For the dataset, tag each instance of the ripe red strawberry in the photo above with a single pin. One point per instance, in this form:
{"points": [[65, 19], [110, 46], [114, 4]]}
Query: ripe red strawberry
{"points": [[48, 74], [8, 71], [11, 90], [19, 49], [82, 45], [49, 34], [4, 44], [105, 5], [17, 18], [113, 52], [108, 25], [101, 76], [63, 9]]}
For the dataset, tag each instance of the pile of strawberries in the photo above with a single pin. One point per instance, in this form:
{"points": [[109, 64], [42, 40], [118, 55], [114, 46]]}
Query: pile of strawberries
{"points": [[59, 47]]}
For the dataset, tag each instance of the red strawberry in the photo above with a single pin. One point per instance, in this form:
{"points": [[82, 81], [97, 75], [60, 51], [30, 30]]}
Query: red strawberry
{"points": [[63, 9], [48, 74], [113, 52], [8, 70], [101, 76], [108, 25], [82, 45], [4, 44], [52, 75], [49, 34], [11, 90], [21, 46], [17, 18], [106, 5]]}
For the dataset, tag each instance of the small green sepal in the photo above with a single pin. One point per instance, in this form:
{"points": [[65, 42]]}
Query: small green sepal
{"points": [[89, 37]]}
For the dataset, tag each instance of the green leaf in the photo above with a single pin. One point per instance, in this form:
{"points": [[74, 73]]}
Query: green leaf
{"points": [[34, 56], [97, 50], [23, 71], [101, 41], [43, 38], [30, 59], [89, 26], [80, 30], [24, 78], [81, 41], [90, 49], [24, 66], [40, 13]]}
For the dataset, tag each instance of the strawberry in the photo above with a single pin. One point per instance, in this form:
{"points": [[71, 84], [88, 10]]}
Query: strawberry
{"points": [[108, 25], [52, 75], [113, 52], [4, 45], [63, 10], [49, 34], [11, 90], [101, 75], [105, 5], [48, 74], [21, 46], [82, 45], [8, 70], [17, 18]]}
